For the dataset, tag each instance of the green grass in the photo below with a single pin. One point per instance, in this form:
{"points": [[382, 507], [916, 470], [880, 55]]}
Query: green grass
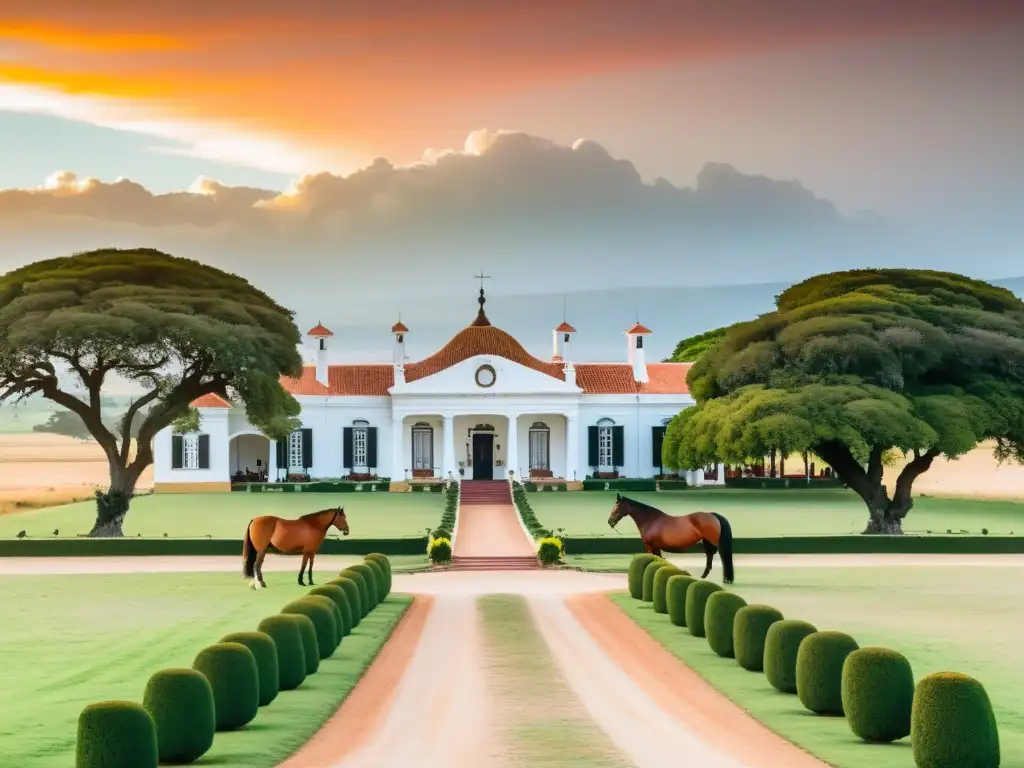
{"points": [[83, 639], [755, 513], [542, 722], [225, 515], [941, 618]]}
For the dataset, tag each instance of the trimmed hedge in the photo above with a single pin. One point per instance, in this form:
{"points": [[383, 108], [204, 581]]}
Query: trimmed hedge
{"points": [[337, 595], [380, 485], [310, 644], [384, 563], [264, 650], [675, 597], [673, 485], [359, 577], [291, 656], [696, 601], [819, 671], [136, 545], [370, 578], [952, 723], [180, 701], [781, 645], [647, 593], [116, 734], [749, 631], [321, 611], [878, 694], [658, 598], [719, 616], [354, 595], [636, 573], [234, 678], [380, 579], [636, 484], [779, 483]]}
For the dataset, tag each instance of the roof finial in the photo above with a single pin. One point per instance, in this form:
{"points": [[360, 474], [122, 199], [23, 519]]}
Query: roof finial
{"points": [[481, 318], [565, 301]]}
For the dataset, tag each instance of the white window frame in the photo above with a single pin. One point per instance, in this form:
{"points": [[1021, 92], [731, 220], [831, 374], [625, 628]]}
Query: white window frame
{"points": [[295, 457], [428, 444], [605, 445], [540, 443], [190, 450], [360, 435]]}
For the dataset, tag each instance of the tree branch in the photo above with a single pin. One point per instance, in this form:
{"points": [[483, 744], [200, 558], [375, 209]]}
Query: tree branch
{"points": [[129, 417], [902, 498], [867, 484]]}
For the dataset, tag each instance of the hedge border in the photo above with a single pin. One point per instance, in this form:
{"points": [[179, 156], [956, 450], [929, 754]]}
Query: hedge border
{"points": [[85, 547], [347, 486]]}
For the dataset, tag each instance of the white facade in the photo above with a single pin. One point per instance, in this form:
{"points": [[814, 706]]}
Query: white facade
{"points": [[482, 404]]}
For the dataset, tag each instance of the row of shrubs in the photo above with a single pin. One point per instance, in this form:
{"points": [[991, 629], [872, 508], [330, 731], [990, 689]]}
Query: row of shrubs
{"points": [[947, 715], [439, 542], [549, 546], [229, 681]]}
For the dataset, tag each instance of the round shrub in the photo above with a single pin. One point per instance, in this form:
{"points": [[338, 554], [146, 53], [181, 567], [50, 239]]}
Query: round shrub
{"points": [[637, 566], [384, 563], [235, 680], [647, 590], [321, 611], [291, 657], [337, 595], [952, 723], [116, 734], [658, 599], [719, 616], [359, 577], [696, 601], [380, 579], [180, 701], [264, 650], [440, 551], [675, 597], [310, 644], [549, 550], [819, 671], [878, 694], [354, 595], [781, 645], [749, 630], [441, 533], [370, 577]]}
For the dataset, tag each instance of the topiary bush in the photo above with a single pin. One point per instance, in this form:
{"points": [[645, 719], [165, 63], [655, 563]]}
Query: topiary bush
{"points": [[637, 566], [380, 579], [749, 631], [658, 597], [371, 579], [116, 734], [310, 644], [549, 550], [781, 645], [337, 595], [676, 588], [647, 591], [291, 656], [719, 615], [359, 577], [264, 650], [180, 701], [322, 612], [696, 601], [235, 680], [819, 671], [383, 562], [354, 595], [878, 694], [440, 551], [952, 723]]}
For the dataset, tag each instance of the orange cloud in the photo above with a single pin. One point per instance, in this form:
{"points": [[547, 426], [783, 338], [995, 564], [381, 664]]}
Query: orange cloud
{"points": [[90, 40]]}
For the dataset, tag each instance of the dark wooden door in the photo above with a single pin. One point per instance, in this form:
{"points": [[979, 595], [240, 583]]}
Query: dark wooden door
{"points": [[483, 457]]}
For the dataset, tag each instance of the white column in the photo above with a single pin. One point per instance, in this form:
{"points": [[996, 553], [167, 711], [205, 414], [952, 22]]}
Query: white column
{"points": [[572, 450], [721, 474], [398, 448], [512, 447], [448, 447]]}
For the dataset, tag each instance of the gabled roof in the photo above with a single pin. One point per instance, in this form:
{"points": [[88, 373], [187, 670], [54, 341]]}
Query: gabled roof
{"points": [[318, 330], [210, 401], [480, 340], [399, 327], [565, 328], [639, 329]]}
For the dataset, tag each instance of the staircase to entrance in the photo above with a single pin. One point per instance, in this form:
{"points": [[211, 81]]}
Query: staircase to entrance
{"points": [[490, 537]]}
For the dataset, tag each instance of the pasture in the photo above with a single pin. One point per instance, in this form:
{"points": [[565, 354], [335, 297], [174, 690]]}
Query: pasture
{"points": [[755, 513], [945, 618], [90, 638]]}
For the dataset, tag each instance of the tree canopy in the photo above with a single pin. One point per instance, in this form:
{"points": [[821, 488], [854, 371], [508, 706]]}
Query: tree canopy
{"points": [[691, 349], [179, 328], [854, 364]]}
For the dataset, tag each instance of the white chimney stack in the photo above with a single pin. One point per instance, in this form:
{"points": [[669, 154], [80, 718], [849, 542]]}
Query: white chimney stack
{"points": [[320, 335], [635, 339], [399, 330], [562, 337]]}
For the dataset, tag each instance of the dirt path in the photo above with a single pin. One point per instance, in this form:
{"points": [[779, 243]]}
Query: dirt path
{"points": [[491, 530]]}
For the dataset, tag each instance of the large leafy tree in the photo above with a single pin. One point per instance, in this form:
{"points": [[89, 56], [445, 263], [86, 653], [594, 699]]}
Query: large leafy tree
{"points": [[855, 365], [178, 328], [692, 348]]}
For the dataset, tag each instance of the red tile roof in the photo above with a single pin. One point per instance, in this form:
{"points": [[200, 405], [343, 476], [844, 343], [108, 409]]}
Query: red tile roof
{"points": [[639, 329], [318, 330], [565, 328], [617, 379], [479, 340], [344, 380], [210, 401], [399, 327]]}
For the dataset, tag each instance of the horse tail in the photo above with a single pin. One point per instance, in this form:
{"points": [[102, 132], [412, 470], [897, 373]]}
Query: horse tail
{"points": [[248, 554], [725, 547]]}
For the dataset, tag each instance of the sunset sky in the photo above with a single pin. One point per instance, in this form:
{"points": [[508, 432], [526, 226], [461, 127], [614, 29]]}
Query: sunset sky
{"points": [[909, 110]]}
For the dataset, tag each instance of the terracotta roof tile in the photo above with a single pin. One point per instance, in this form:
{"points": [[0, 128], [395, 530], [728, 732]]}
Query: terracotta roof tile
{"points": [[639, 329], [318, 330], [565, 328], [399, 327], [479, 340], [373, 379], [211, 401], [617, 379]]}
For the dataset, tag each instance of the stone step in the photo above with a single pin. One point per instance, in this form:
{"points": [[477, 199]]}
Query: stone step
{"points": [[496, 563]]}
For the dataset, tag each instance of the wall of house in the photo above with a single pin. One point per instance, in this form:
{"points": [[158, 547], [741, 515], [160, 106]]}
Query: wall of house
{"points": [[556, 424], [245, 450], [213, 422]]}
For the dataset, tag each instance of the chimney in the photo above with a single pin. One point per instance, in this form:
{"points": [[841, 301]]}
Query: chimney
{"points": [[562, 337], [637, 359], [320, 335], [399, 330]]}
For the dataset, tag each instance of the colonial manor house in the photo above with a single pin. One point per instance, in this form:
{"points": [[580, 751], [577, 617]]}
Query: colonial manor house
{"points": [[481, 406]]}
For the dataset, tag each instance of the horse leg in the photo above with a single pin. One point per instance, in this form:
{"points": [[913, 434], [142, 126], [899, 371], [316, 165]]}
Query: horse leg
{"points": [[258, 582], [310, 569], [709, 550], [302, 568]]}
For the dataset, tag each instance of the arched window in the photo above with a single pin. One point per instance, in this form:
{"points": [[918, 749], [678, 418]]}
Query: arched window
{"points": [[605, 445], [360, 445], [540, 446]]}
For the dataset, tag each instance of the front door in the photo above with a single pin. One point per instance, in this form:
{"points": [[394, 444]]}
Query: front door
{"points": [[483, 456]]}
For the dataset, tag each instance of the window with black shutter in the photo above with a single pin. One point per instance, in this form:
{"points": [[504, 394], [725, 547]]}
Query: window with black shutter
{"points": [[307, 448], [371, 447], [177, 451], [592, 447], [618, 446], [346, 448], [657, 440], [204, 452]]}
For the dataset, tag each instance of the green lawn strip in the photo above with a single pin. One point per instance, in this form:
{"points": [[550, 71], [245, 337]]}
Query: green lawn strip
{"points": [[225, 515], [756, 513], [940, 618], [540, 719], [73, 640]]}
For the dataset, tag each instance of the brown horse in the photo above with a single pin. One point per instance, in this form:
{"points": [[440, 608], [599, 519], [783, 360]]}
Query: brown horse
{"points": [[290, 537], [661, 532]]}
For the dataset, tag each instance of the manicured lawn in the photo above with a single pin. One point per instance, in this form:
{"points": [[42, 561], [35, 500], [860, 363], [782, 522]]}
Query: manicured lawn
{"points": [[940, 618], [225, 515], [91, 638], [754, 513]]}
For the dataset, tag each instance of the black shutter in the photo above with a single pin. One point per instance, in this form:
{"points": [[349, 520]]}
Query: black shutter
{"points": [[371, 447], [282, 453], [307, 448], [346, 451], [204, 452], [618, 446], [177, 452], [592, 458], [657, 440]]}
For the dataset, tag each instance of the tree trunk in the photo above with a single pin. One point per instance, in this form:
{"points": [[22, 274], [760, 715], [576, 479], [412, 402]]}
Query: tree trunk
{"points": [[112, 504], [772, 470]]}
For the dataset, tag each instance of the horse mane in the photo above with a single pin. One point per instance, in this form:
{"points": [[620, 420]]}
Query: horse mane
{"points": [[311, 515], [640, 505]]}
